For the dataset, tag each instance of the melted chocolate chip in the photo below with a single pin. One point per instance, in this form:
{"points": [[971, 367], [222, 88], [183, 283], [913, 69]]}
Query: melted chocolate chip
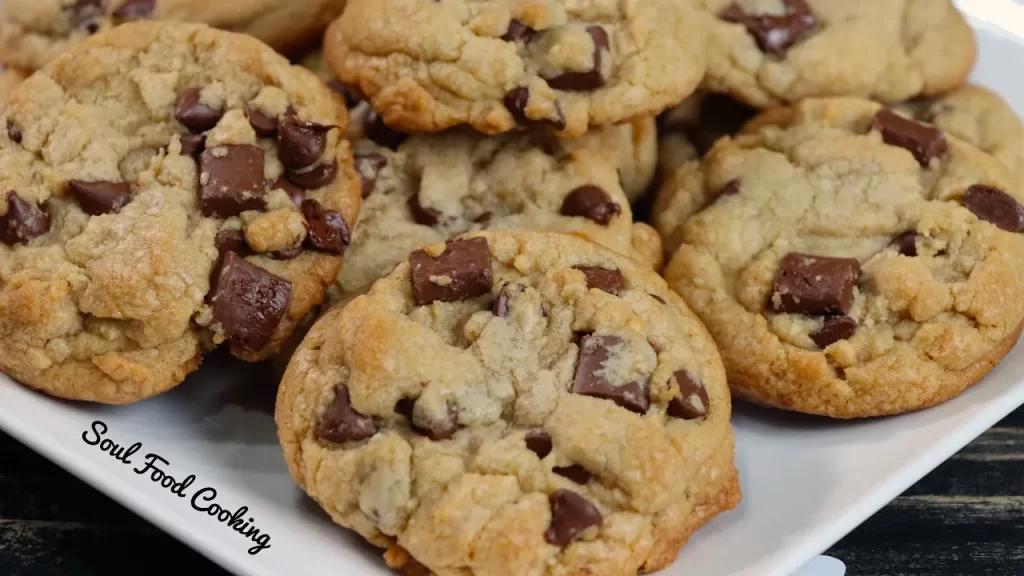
{"points": [[517, 31], [576, 473], [995, 206], [341, 423], [590, 202], [195, 115], [592, 79], [193, 145], [232, 180], [425, 215], [231, 241], [263, 125], [906, 243], [571, 515], [461, 272], [693, 402], [313, 178], [500, 305], [815, 285], [300, 144], [13, 132], [296, 194], [135, 10], [516, 101], [369, 167], [539, 443], [97, 198], [611, 281], [775, 34], [923, 141], [248, 302], [328, 231], [23, 221], [591, 379], [379, 132], [836, 328]]}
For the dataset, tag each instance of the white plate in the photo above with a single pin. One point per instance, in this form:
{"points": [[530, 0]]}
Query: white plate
{"points": [[806, 481]]}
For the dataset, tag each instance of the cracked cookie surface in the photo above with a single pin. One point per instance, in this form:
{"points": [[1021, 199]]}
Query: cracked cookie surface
{"points": [[771, 52], [852, 262], [166, 187], [34, 32], [501, 64], [513, 403]]}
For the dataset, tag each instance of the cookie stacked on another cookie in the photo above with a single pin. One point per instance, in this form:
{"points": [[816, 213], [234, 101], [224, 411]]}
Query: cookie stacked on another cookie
{"points": [[513, 403], [166, 187], [850, 261]]}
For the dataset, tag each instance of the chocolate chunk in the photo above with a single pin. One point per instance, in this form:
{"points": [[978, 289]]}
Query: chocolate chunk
{"points": [[369, 167], [995, 206], [287, 253], [300, 144], [923, 141], [461, 272], [263, 125], [500, 305], [815, 285], [576, 473], [539, 443], [195, 115], [591, 79], [13, 132], [341, 423], [231, 241], [571, 515], [97, 198], [193, 145], [135, 10], [611, 281], [658, 298], [517, 31], [232, 180], [296, 194], [516, 101], [444, 428], [775, 34], [376, 130], [590, 379], [23, 221], [425, 215], [313, 178], [836, 328], [328, 231], [248, 302], [692, 402], [590, 202], [906, 243]]}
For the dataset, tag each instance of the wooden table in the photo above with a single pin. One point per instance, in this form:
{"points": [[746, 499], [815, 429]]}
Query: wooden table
{"points": [[966, 517]]}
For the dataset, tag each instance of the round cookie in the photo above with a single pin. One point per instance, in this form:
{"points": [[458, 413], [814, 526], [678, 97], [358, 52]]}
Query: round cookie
{"points": [[33, 32], [513, 403], [499, 65], [770, 52], [851, 262], [167, 187], [436, 186]]}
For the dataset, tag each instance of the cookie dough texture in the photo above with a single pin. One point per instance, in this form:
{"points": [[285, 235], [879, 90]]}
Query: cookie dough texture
{"points": [[132, 180], [34, 32], [937, 296], [436, 186], [9, 80], [881, 49], [427, 66], [490, 378]]}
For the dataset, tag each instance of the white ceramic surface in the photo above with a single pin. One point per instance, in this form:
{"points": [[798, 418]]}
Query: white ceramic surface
{"points": [[806, 481]]}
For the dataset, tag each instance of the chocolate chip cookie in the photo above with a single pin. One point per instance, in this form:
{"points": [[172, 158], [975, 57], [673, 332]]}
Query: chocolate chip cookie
{"points": [[853, 262], [33, 32], [435, 186], [513, 402], [166, 187], [769, 52], [499, 65]]}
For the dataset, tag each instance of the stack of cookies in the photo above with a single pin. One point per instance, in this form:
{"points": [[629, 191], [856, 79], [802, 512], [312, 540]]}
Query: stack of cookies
{"points": [[472, 204]]}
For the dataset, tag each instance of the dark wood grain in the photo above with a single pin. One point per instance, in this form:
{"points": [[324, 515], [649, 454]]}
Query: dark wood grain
{"points": [[966, 517]]}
